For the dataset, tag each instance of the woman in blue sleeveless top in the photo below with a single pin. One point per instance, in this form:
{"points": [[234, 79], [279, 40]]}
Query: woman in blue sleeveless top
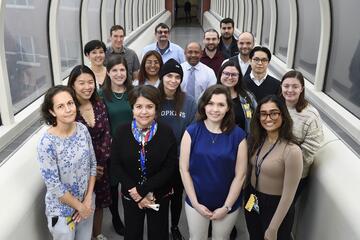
{"points": [[213, 165]]}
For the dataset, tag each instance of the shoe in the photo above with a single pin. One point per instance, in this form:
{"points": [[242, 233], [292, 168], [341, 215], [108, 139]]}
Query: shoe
{"points": [[176, 234], [100, 237], [118, 226]]}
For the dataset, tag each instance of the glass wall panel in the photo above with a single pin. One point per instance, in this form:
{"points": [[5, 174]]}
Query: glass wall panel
{"points": [[343, 74], [121, 5], [110, 15], [27, 50], [282, 29], [94, 19], [265, 31], [308, 38], [254, 17], [69, 34]]}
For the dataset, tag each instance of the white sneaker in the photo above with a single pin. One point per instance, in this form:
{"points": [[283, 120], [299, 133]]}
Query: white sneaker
{"points": [[100, 237]]}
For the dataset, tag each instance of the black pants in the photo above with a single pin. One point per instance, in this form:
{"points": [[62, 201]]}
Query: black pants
{"points": [[258, 223], [176, 199], [157, 221]]}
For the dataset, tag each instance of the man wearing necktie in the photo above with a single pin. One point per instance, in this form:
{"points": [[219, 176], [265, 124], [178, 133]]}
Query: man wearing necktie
{"points": [[197, 76]]}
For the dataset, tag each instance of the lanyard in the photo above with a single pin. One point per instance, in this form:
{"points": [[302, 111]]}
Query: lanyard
{"points": [[259, 163]]}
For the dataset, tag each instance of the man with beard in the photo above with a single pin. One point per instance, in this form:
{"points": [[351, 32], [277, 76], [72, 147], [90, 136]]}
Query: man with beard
{"points": [[227, 44], [197, 76], [163, 45], [211, 56], [245, 44]]}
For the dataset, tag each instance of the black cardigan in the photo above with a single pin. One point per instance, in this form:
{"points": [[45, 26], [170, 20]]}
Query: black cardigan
{"points": [[161, 155], [270, 86]]}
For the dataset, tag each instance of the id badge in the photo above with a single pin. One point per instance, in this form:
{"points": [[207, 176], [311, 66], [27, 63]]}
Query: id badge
{"points": [[252, 203], [248, 114], [70, 223]]}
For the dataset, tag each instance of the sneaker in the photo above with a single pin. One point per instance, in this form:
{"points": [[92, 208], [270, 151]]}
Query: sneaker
{"points": [[100, 237], [175, 233]]}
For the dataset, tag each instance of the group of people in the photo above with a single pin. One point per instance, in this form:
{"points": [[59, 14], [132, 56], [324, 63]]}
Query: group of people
{"points": [[211, 121]]}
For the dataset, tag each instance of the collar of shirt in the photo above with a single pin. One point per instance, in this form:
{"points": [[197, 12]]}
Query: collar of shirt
{"points": [[189, 66], [111, 50], [168, 47], [258, 81]]}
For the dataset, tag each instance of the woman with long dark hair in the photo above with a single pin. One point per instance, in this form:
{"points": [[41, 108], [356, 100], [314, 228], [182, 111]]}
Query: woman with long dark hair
{"points": [[149, 69], [244, 102], [68, 167], [276, 166], [115, 95], [93, 114], [213, 166], [307, 127], [177, 110]]}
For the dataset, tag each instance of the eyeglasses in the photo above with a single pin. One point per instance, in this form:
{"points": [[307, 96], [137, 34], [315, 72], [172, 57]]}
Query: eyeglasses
{"points": [[228, 74], [152, 62], [162, 32], [272, 115], [262, 60]]}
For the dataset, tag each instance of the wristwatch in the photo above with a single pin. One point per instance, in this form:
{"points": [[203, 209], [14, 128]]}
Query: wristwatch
{"points": [[227, 208]]}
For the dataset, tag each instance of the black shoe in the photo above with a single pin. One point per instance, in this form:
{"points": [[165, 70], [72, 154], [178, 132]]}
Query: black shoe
{"points": [[118, 226], [176, 234]]}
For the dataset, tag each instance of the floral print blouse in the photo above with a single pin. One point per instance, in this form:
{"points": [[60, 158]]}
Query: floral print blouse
{"points": [[66, 164]]}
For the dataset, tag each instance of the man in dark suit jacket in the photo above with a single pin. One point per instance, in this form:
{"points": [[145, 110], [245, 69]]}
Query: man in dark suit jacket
{"points": [[245, 44], [259, 82]]}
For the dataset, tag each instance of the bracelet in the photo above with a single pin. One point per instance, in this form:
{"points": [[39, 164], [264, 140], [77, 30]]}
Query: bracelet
{"points": [[227, 208]]}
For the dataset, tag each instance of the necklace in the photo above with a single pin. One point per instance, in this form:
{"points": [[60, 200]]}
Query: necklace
{"points": [[213, 138], [117, 96]]}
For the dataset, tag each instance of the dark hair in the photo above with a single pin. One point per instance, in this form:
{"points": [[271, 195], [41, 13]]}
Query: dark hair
{"points": [[75, 73], [115, 28], [115, 59], [94, 44], [228, 122], [240, 87], [212, 30], [260, 48], [258, 133], [179, 96], [147, 91], [142, 73], [226, 21], [302, 102], [48, 103], [161, 25]]}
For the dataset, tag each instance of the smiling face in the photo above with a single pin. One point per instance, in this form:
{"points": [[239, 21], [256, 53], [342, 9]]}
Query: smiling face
{"points": [[216, 108], [171, 82], [193, 53], [144, 112], [291, 89], [97, 57], [229, 77], [152, 66], [117, 75], [117, 39], [270, 117], [245, 43], [211, 41], [227, 30], [84, 86], [162, 34], [64, 108]]}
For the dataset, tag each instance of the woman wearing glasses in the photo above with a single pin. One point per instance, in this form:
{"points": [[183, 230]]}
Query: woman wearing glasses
{"points": [[149, 69], [244, 102], [276, 167], [307, 126]]}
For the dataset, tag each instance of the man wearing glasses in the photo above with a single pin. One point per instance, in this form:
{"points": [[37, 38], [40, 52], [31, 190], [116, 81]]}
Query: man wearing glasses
{"points": [[163, 45], [259, 82]]}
